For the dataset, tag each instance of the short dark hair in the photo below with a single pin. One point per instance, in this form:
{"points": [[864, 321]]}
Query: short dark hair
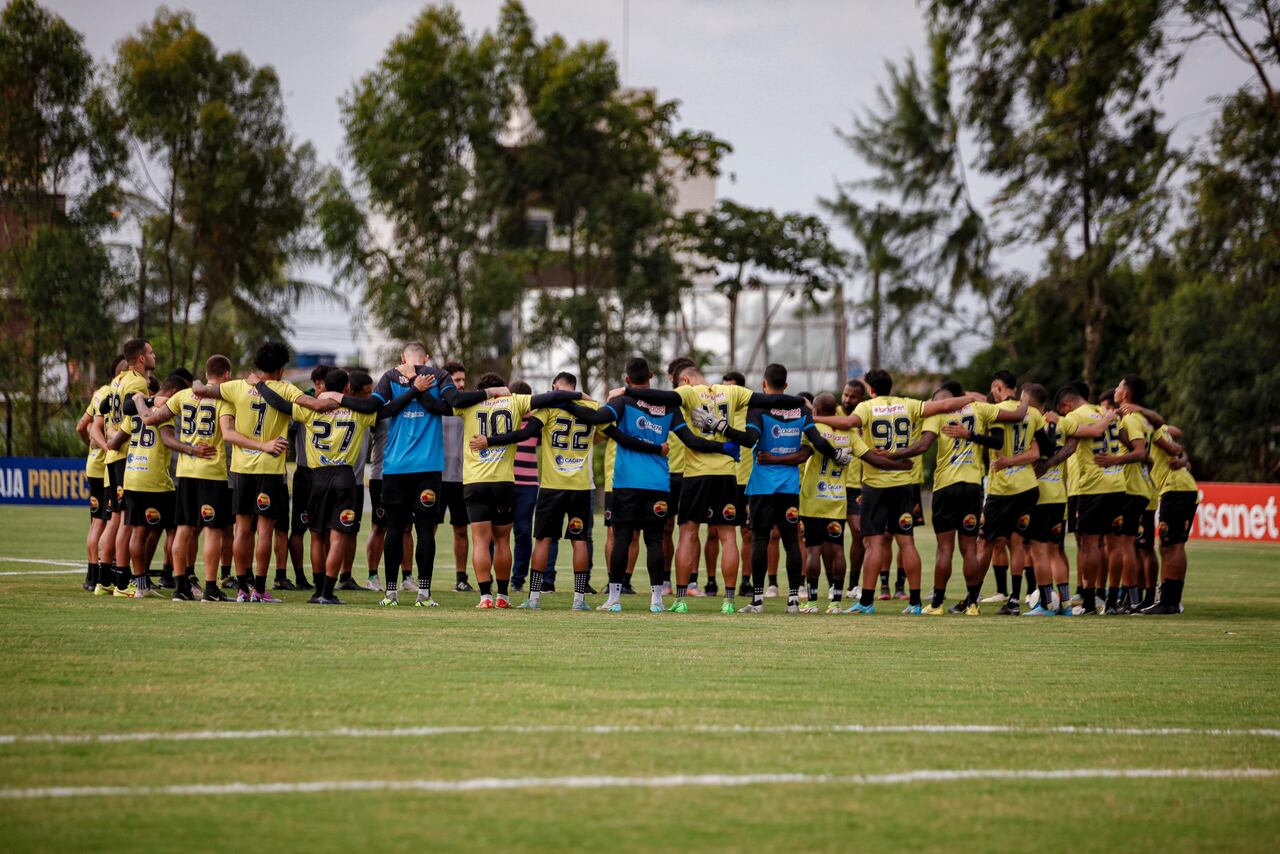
{"points": [[737, 377], [566, 377], [517, 387], [953, 387], [807, 395], [453, 366], [1108, 396], [184, 373], [638, 369], [217, 366], [1067, 391], [1038, 393], [676, 365], [271, 356], [319, 372], [153, 384], [1082, 388], [360, 380], [1137, 387], [336, 380], [172, 383], [490, 380], [116, 362], [775, 375], [133, 348], [1007, 377], [879, 380]]}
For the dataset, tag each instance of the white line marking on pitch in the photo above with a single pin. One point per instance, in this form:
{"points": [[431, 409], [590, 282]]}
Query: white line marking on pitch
{"points": [[623, 729], [45, 563], [487, 784]]}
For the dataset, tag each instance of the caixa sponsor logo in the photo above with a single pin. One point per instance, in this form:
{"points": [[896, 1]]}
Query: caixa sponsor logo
{"points": [[643, 423], [780, 431]]}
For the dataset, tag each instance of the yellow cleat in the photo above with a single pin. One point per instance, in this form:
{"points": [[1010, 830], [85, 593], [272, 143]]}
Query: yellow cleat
{"points": [[126, 593], [973, 610], [834, 608], [931, 611], [103, 590]]}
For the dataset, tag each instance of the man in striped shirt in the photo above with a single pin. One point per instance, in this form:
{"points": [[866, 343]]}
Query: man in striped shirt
{"points": [[526, 501]]}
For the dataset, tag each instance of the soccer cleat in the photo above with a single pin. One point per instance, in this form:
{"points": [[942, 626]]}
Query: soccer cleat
{"points": [[374, 583], [712, 589], [696, 592], [834, 608], [302, 584], [728, 608], [1009, 609], [283, 584], [267, 597], [656, 608], [332, 600], [931, 611], [316, 599], [182, 596], [425, 603], [859, 608], [580, 606], [807, 608], [388, 602], [529, 605], [913, 610], [245, 597], [884, 592], [103, 590], [1033, 598], [409, 584], [958, 608], [972, 610], [463, 587], [994, 599], [1112, 611], [771, 592], [1065, 611], [1076, 599], [680, 607], [126, 593], [503, 604], [627, 590], [1037, 611], [900, 594], [666, 588], [793, 607], [1160, 610], [213, 593], [348, 583], [751, 609], [486, 604], [517, 585], [610, 607]]}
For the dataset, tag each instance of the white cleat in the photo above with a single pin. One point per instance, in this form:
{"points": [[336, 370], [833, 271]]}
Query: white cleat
{"points": [[374, 583], [409, 585], [1033, 598], [771, 592], [994, 599], [751, 609]]}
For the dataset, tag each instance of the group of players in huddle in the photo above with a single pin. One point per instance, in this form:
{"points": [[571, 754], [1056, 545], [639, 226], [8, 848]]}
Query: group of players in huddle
{"points": [[1015, 471]]}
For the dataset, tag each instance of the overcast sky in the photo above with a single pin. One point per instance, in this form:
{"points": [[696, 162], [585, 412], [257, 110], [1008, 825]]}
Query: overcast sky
{"points": [[773, 78]]}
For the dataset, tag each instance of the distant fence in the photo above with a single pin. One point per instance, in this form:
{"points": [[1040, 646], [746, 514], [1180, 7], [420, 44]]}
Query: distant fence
{"points": [[1238, 511], [43, 480]]}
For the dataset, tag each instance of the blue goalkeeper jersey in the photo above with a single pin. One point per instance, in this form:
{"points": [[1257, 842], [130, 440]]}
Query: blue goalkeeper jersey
{"points": [[779, 432], [415, 436], [652, 423]]}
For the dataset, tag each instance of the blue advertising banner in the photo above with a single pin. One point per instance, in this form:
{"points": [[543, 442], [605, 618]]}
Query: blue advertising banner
{"points": [[43, 480]]}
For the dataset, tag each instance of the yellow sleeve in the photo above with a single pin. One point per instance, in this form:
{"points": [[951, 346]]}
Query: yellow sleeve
{"points": [[739, 396], [863, 412], [224, 408], [859, 447], [986, 411], [174, 403], [689, 397], [302, 414], [520, 406], [914, 407], [1134, 426], [288, 391], [364, 419], [233, 392], [932, 424], [135, 384], [1068, 424]]}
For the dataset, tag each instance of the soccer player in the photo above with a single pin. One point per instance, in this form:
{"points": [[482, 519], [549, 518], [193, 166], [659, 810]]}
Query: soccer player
{"points": [[1099, 489], [1048, 519], [1178, 498], [675, 461], [139, 360], [1124, 593], [203, 496], [887, 423], [257, 433], [641, 479], [89, 429], [451, 500], [853, 393], [488, 475], [743, 473], [301, 492]]}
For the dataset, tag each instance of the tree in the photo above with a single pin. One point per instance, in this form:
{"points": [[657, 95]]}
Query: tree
{"points": [[60, 151], [1229, 21]]}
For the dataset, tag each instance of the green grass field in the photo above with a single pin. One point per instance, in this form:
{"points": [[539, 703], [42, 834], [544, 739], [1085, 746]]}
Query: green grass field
{"points": [[524, 700]]}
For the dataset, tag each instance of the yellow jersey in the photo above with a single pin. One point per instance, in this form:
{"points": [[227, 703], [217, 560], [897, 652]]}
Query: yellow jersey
{"points": [[675, 454], [888, 424], [491, 417], [1136, 479], [125, 385], [198, 424], [334, 438], [564, 451], [729, 401], [959, 460], [823, 492], [1053, 483], [1018, 437], [1089, 478], [610, 451], [853, 471], [95, 464], [1168, 479], [257, 420], [147, 463]]}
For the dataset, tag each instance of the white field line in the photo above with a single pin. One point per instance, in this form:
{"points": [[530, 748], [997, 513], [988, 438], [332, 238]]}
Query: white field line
{"points": [[609, 729], [488, 784], [44, 563]]}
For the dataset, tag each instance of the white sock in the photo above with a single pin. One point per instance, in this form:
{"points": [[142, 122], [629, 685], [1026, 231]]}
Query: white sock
{"points": [[535, 595], [655, 596], [579, 598], [615, 593], [424, 593], [391, 594]]}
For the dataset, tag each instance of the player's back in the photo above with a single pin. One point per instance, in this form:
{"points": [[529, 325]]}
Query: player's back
{"points": [[652, 423], [780, 433]]}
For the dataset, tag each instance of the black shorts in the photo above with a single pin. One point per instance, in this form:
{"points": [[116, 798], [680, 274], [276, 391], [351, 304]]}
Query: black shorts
{"points": [[283, 516], [203, 503], [260, 495], [887, 510], [411, 498], [98, 498], [1131, 514], [563, 513], [1100, 513], [490, 502], [1048, 524], [301, 500], [957, 507], [637, 507], [1005, 515], [334, 501], [608, 509], [677, 489], [375, 502], [777, 510], [115, 486], [1146, 539], [711, 499], [148, 509], [1177, 512], [452, 502], [744, 505], [818, 532], [1073, 510], [917, 511], [853, 500]]}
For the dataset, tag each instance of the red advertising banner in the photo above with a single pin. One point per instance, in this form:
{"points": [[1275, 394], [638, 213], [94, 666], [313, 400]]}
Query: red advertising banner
{"points": [[1238, 511]]}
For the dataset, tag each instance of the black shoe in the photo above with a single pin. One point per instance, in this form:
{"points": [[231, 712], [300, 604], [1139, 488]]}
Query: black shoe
{"points": [[283, 583], [1009, 609], [302, 584], [182, 596], [463, 587], [348, 584], [1160, 610], [591, 591], [332, 600], [712, 589], [195, 587], [627, 590], [745, 589], [958, 608], [548, 587], [518, 586], [317, 598], [213, 593], [166, 582], [1112, 611]]}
